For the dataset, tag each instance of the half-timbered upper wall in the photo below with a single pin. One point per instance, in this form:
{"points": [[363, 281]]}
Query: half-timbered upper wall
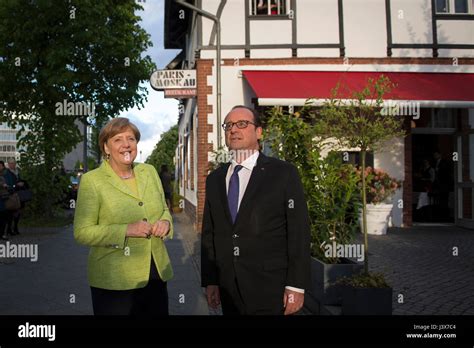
{"points": [[333, 28]]}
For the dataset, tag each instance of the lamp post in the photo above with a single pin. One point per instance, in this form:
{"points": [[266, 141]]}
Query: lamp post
{"points": [[218, 60]]}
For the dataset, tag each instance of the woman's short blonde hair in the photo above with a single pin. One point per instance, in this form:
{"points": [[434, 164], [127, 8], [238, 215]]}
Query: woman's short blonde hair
{"points": [[114, 127]]}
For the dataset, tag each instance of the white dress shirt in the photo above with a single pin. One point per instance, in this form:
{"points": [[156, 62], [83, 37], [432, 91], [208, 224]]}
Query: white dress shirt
{"points": [[244, 178]]}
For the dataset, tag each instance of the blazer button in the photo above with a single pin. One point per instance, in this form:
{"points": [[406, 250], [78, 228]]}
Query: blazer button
{"points": [[235, 236], [140, 204]]}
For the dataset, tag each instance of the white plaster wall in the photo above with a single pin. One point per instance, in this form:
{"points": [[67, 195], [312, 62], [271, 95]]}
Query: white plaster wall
{"points": [[365, 28], [232, 22], [392, 161], [270, 31], [456, 53], [411, 21], [418, 53], [318, 52], [317, 21], [456, 32], [273, 53], [225, 54]]}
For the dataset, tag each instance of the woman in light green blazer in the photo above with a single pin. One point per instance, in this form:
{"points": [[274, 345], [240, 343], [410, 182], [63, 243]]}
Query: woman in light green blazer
{"points": [[121, 214]]}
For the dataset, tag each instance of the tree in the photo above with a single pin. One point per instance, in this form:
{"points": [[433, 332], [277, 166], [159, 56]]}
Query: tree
{"points": [[62, 61], [360, 123], [164, 151], [330, 186]]}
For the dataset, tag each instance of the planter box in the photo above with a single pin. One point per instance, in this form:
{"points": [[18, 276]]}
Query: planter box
{"points": [[366, 301], [323, 275]]}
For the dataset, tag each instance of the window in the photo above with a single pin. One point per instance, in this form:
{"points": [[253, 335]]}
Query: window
{"points": [[269, 7], [442, 6], [461, 6], [455, 6]]}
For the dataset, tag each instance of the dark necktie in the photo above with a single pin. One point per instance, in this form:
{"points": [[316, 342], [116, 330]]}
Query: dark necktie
{"points": [[233, 193]]}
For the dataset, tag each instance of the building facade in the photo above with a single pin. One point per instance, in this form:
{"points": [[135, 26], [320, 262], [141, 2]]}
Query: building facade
{"points": [[8, 143], [9, 146], [283, 52]]}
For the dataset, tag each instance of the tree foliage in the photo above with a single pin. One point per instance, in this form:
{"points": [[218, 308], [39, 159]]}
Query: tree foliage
{"points": [[361, 123], [164, 151], [330, 186], [77, 51]]}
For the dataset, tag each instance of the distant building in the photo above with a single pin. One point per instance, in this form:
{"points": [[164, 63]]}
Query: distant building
{"points": [[279, 53], [9, 146], [8, 143]]}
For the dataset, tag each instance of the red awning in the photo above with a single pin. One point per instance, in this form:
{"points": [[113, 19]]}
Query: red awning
{"points": [[449, 87]]}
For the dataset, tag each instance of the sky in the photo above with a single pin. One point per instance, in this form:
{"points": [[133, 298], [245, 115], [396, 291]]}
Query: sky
{"points": [[158, 114]]}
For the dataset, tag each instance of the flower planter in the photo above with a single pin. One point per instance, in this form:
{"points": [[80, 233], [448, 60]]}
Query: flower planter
{"points": [[366, 301], [377, 218], [323, 292]]}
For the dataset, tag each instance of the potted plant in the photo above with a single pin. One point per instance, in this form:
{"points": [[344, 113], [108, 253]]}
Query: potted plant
{"points": [[331, 193], [366, 294], [380, 189], [356, 119]]}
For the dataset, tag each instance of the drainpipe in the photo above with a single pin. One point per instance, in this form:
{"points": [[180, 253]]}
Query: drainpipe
{"points": [[218, 60]]}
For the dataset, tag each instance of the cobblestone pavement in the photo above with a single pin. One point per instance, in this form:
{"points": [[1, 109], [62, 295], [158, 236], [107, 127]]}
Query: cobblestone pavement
{"points": [[421, 265]]}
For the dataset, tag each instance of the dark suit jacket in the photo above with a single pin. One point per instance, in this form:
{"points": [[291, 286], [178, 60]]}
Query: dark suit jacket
{"points": [[268, 247]]}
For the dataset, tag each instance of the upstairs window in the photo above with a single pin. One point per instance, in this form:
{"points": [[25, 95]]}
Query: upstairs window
{"points": [[455, 6], [461, 6], [442, 6], [269, 7]]}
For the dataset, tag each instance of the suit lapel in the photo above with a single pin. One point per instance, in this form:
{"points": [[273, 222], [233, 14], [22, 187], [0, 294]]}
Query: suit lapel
{"points": [[221, 175], [115, 181], [256, 179]]}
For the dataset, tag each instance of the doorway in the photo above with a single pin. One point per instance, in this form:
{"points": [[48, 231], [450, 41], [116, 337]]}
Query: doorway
{"points": [[433, 178]]}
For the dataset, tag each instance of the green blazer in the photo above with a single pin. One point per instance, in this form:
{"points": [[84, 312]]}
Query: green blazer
{"points": [[104, 208]]}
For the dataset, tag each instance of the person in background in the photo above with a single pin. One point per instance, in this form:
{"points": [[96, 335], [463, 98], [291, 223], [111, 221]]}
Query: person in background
{"points": [[13, 168], [13, 222], [121, 214], [3, 210], [10, 182], [165, 177]]}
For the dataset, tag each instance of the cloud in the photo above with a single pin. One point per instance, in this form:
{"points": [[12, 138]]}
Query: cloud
{"points": [[158, 116]]}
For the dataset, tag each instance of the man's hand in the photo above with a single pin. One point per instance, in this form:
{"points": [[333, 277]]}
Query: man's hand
{"points": [[213, 296], [292, 301], [160, 228]]}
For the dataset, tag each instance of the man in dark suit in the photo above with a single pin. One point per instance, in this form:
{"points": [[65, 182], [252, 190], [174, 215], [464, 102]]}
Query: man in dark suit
{"points": [[255, 233]]}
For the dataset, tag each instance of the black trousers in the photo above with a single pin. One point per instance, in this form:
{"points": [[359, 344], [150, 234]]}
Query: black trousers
{"points": [[152, 300], [3, 222], [232, 304]]}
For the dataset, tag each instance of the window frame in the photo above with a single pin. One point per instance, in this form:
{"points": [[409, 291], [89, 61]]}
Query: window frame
{"points": [[254, 15]]}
